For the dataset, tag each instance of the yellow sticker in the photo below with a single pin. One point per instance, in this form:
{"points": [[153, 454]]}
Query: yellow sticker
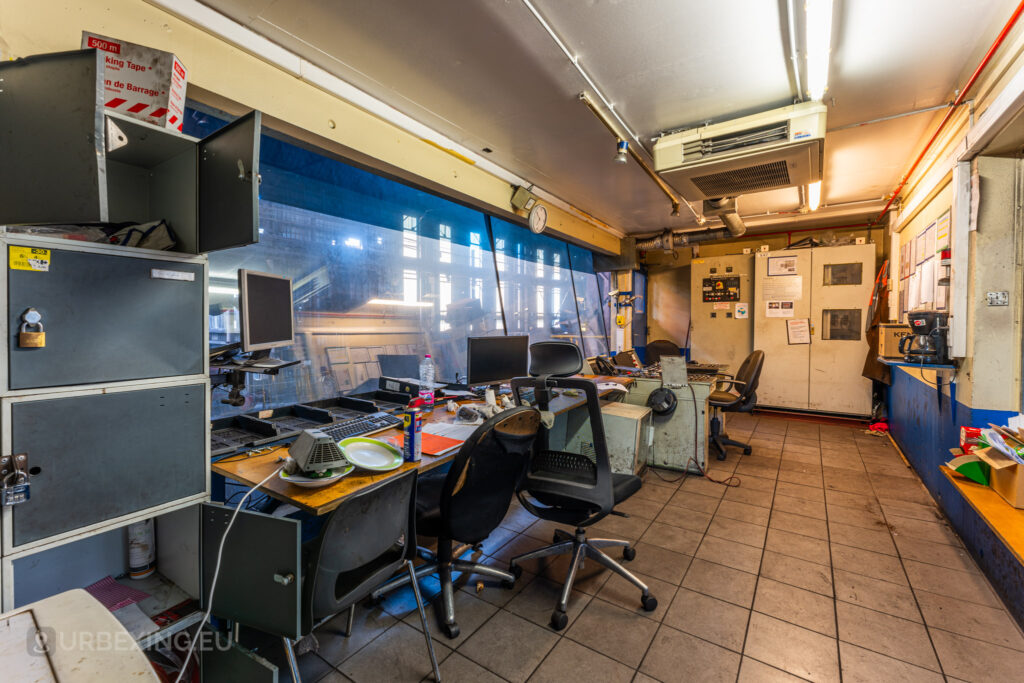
{"points": [[30, 258]]}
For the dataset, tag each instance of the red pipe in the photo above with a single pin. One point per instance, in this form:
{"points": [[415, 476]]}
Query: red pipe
{"points": [[956, 103]]}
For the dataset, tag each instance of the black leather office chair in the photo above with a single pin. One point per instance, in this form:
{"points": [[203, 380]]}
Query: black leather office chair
{"points": [[740, 397], [468, 502], [570, 488], [369, 537], [658, 348]]}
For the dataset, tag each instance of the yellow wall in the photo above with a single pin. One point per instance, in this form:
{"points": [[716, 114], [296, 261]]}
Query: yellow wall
{"points": [[34, 26]]}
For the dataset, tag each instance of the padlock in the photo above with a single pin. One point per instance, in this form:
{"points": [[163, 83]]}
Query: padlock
{"points": [[13, 494], [31, 339]]}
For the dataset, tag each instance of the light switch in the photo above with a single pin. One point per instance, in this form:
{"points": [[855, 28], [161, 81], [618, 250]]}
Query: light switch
{"points": [[997, 298]]}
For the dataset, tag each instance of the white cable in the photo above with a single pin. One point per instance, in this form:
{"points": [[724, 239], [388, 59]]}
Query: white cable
{"points": [[216, 573]]}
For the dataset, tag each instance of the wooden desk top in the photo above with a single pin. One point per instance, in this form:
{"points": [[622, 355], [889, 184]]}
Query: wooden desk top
{"points": [[251, 469]]}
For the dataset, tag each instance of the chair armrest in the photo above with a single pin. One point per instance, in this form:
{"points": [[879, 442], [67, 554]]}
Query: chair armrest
{"points": [[730, 381]]}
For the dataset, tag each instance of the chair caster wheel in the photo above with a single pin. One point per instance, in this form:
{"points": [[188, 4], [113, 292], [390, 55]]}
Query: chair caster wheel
{"points": [[628, 553], [721, 456], [649, 602], [515, 570], [373, 601], [508, 584], [451, 630], [559, 620], [747, 450]]}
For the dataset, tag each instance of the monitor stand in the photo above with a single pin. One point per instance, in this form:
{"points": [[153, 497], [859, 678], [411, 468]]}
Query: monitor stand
{"points": [[262, 359]]}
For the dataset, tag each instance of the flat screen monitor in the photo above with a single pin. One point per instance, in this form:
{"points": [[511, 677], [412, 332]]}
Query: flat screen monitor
{"points": [[266, 303], [493, 360]]}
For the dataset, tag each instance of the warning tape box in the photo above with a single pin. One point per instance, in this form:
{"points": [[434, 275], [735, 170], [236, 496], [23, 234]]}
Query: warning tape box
{"points": [[141, 82]]}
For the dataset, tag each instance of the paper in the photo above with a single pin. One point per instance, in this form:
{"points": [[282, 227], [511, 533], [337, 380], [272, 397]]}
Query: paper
{"points": [[779, 309], [913, 292], [452, 431], [742, 311], [611, 386], [926, 275], [135, 621], [723, 306], [789, 287], [114, 595], [798, 331], [942, 231], [782, 265], [929, 241]]}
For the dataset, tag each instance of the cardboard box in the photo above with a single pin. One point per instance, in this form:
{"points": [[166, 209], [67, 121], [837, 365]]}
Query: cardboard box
{"points": [[141, 82], [1006, 476], [889, 335]]}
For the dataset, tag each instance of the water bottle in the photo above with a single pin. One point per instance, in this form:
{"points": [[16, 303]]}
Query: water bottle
{"points": [[427, 381]]}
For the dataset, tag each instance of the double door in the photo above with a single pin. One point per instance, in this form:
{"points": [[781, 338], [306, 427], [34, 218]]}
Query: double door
{"points": [[809, 319]]}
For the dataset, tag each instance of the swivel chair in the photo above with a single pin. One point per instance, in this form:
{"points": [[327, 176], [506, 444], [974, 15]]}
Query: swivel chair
{"points": [[570, 488], [742, 400], [658, 348], [468, 502]]}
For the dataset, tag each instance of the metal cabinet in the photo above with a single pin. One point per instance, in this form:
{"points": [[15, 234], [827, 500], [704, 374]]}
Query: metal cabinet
{"points": [[68, 160], [721, 293], [680, 439]]}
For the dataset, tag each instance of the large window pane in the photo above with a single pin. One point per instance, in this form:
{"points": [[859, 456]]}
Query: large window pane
{"points": [[588, 301]]}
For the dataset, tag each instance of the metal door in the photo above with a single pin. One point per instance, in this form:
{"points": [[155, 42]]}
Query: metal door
{"points": [[782, 292], [260, 582], [107, 317], [842, 282], [229, 185]]}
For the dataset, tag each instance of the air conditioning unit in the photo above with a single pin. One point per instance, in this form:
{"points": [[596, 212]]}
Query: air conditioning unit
{"points": [[767, 151]]}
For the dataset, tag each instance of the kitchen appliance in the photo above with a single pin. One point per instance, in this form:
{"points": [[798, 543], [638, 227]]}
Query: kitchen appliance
{"points": [[926, 344]]}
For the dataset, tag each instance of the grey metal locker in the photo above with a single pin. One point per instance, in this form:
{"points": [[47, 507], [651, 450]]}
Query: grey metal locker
{"points": [[102, 454], [107, 317]]}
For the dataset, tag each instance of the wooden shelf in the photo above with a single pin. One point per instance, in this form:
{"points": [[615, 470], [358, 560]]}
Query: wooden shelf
{"points": [[1005, 520]]}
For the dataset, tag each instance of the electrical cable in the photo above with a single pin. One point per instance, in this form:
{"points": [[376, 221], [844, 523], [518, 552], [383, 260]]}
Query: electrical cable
{"points": [[216, 572]]}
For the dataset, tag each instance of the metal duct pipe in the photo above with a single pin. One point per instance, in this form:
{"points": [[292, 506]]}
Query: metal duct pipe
{"points": [[734, 224], [668, 240], [725, 208]]}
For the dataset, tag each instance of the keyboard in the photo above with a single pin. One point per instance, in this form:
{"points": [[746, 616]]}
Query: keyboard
{"points": [[359, 426]]}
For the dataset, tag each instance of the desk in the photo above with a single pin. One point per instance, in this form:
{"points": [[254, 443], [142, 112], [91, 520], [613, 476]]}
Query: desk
{"points": [[252, 469]]}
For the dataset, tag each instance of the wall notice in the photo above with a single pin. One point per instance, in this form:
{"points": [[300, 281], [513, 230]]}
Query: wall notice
{"points": [[778, 309], [798, 331], [742, 311], [782, 265], [787, 287]]}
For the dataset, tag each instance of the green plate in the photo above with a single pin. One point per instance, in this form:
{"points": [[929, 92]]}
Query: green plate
{"points": [[371, 454], [315, 482]]}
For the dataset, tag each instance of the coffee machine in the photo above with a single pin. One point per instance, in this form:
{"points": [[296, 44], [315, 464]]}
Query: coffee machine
{"points": [[926, 344]]}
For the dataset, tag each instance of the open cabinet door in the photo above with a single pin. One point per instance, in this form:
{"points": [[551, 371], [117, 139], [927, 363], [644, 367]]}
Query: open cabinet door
{"points": [[229, 185], [782, 292], [259, 583]]}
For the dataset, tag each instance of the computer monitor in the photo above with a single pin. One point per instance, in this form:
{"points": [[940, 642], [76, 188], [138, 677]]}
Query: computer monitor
{"points": [[266, 307], [493, 360]]}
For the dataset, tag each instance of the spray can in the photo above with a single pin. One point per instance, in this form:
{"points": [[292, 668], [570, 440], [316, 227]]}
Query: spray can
{"points": [[412, 428], [141, 549]]}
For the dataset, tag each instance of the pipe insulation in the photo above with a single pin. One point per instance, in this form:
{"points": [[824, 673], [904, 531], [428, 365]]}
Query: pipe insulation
{"points": [[669, 240]]}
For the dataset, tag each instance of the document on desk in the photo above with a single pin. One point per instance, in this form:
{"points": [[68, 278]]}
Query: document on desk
{"points": [[451, 431], [612, 386]]}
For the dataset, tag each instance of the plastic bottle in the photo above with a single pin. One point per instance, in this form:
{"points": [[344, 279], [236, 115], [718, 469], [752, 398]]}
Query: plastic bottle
{"points": [[426, 381]]}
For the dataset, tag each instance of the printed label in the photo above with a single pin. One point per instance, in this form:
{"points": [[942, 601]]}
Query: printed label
{"points": [[161, 274], [30, 258]]}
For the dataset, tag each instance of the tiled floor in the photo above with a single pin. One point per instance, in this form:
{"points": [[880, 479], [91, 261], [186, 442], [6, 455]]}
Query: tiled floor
{"points": [[828, 562]]}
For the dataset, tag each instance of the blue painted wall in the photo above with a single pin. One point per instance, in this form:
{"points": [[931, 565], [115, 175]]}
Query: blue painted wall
{"points": [[925, 422]]}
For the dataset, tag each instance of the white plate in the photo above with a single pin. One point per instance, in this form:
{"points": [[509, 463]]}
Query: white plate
{"points": [[310, 483], [371, 454]]}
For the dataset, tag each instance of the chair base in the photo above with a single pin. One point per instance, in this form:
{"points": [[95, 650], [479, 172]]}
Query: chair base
{"points": [[581, 547], [445, 570], [720, 440]]}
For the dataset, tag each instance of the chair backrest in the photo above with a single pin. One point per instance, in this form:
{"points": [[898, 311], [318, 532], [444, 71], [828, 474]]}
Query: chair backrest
{"points": [[750, 373], [660, 347], [555, 358], [366, 539], [485, 473]]}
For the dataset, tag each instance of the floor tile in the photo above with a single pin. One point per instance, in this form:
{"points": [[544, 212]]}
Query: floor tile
{"points": [[799, 506], [948, 556], [875, 540], [659, 563], [400, 650], [538, 600], [730, 553], [735, 530], [753, 671], [798, 524], [867, 563], [934, 532], [865, 666], [570, 662], [458, 669], [865, 519], [655, 494], [799, 573], [749, 496], [797, 606], [797, 545], [672, 538], [692, 500], [876, 594], [684, 518], [720, 622], [470, 613], [702, 486], [543, 530], [901, 639], [962, 585], [791, 648], [801, 478], [725, 583], [854, 500], [367, 625], [614, 632], [518, 518], [638, 507], [752, 514], [992, 624], [625, 528], [784, 488], [970, 659], [525, 646], [752, 482], [902, 508], [673, 652], [620, 591]]}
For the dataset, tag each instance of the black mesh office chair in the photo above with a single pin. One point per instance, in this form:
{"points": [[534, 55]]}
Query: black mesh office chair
{"points": [[369, 537], [658, 348], [468, 502], [570, 488], [741, 397]]}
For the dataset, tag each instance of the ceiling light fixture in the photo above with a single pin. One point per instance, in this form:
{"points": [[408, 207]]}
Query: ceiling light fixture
{"points": [[400, 302], [819, 42], [814, 196], [621, 152]]}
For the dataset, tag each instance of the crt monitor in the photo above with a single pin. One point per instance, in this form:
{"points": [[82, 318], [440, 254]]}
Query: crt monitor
{"points": [[266, 303], [493, 360]]}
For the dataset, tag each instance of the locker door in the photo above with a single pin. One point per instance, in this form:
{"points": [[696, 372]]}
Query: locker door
{"points": [[229, 188], [782, 292], [843, 277]]}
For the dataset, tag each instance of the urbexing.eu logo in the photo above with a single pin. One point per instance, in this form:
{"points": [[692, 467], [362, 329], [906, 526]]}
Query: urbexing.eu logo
{"points": [[46, 640]]}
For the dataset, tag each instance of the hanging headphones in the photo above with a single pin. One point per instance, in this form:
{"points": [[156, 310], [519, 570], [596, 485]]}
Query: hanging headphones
{"points": [[662, 401]]}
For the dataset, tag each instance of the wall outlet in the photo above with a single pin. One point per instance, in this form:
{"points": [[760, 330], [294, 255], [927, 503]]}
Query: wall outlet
{"points": [[746, 250], [764, 247], [997, 298], [860, 240]]}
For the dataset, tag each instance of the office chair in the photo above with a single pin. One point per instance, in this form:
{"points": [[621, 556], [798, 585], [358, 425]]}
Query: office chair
{"points": [[468, 502], [570, 488], [742, 400], [658, 348], [369, 537]]}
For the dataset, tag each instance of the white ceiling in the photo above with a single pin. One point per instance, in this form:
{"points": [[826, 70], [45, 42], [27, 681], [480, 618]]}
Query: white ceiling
{"points": [[486, 74]]}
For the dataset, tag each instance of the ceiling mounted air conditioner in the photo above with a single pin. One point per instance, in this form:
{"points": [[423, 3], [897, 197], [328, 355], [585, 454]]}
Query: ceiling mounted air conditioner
{"points": [[767, 151]]}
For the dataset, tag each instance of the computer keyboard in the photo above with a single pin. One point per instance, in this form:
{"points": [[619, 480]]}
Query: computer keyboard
{"points": [[358, 426]]}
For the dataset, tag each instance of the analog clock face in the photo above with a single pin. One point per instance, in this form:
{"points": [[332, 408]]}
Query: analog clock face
{"points": [[538, 218]]}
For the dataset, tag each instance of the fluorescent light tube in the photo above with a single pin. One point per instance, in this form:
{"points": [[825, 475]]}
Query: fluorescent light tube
{"points": [[814, 196], [819, 42]]}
